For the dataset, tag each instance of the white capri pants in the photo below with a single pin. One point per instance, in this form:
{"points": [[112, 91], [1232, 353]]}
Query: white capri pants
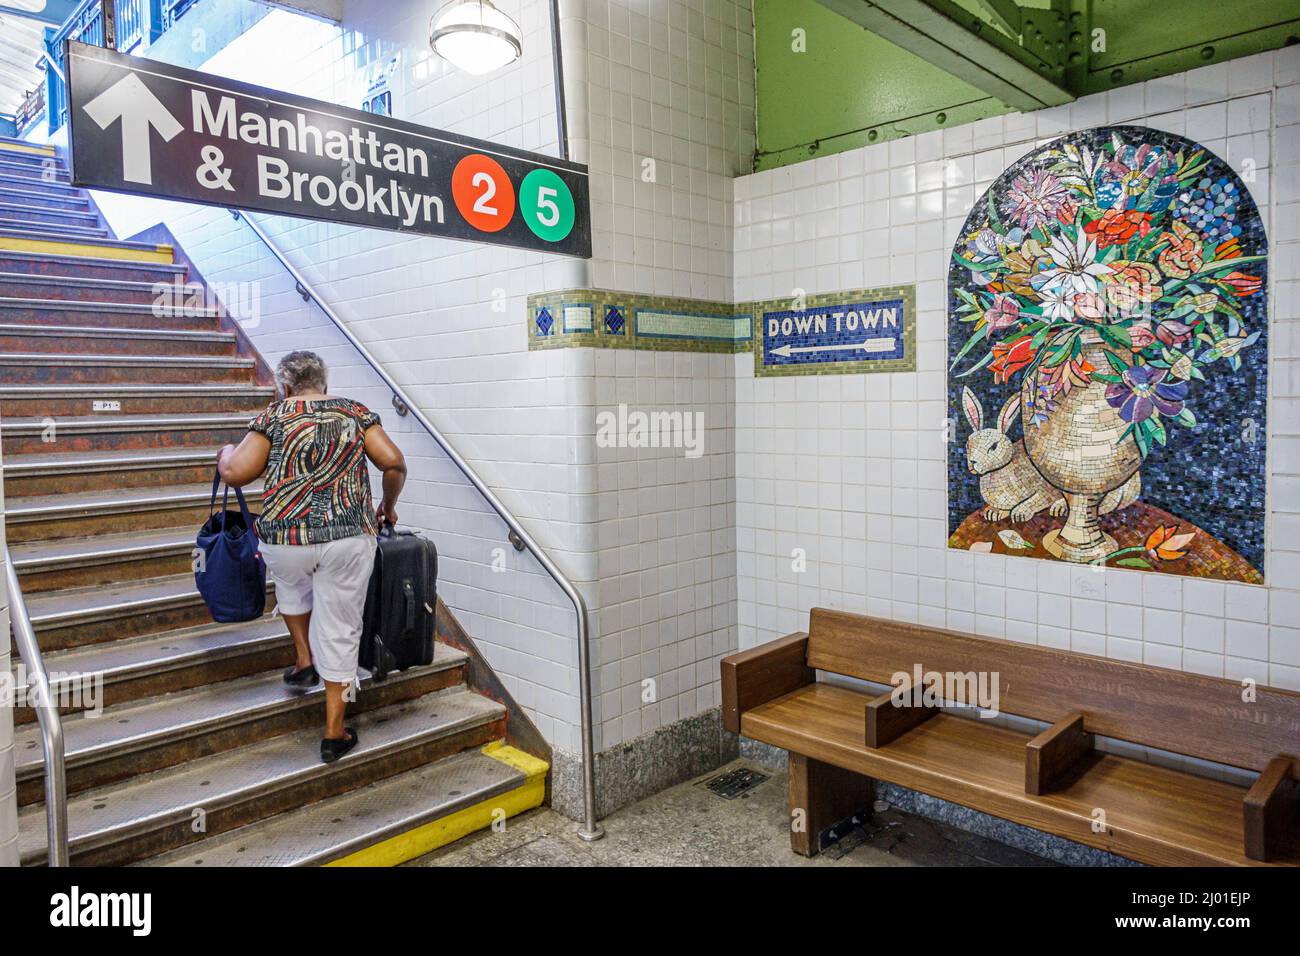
{"points": [[329, 580]]}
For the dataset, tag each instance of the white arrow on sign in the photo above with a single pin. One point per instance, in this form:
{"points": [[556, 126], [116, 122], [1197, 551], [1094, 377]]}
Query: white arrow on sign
{"points": [[868, 345], [139, 110]]}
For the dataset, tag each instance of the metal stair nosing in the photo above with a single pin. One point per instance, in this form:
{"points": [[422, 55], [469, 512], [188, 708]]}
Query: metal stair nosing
{"points": [[339, 826], [251, 775], [37, 465], [132, 308], [152, 722]]}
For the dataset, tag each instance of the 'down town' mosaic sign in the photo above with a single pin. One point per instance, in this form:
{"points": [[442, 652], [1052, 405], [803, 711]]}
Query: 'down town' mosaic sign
{"points": [[1107, 329], [871, 330]]}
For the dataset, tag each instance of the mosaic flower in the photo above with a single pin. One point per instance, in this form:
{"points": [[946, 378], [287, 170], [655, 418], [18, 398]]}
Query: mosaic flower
{"points": [[1242, 284], [1074, 266], [1117, 227], [1004, 313], [1182, 256], [1165, 544], [1131, 287], [1011, 358], [1142, 391], [1036, 198]]}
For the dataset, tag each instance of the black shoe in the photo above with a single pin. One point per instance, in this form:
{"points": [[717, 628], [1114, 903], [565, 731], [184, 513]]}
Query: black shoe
{"points": [[331, 750], [301, 679]]}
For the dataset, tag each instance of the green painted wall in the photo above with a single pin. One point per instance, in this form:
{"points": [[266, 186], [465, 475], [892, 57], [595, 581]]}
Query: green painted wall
{"points": [[851, 88]]}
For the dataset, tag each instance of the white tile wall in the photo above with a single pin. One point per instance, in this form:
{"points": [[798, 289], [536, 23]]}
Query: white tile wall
{"points": [[851, 469]]}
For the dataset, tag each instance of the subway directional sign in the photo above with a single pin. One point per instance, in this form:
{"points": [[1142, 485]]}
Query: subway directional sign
{"points": [[143, 127]]}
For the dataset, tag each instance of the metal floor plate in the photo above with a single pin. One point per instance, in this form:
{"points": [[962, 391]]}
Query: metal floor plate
{"points": [[168, 797], [339, 826]]}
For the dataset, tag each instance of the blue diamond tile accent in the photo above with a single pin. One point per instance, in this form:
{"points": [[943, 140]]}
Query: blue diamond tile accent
{"points": [[545, 323], [614, 321]]}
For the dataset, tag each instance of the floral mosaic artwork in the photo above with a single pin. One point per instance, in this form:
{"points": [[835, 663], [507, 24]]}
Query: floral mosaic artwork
{"points": [[1107, 342]]}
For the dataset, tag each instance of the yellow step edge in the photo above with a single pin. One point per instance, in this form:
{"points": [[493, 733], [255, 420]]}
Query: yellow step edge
{"points": [[439, 833], [159, 253], [25, 148]]}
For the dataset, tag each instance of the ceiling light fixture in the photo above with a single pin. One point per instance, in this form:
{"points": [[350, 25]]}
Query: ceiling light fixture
{"points": [[473, 35]]}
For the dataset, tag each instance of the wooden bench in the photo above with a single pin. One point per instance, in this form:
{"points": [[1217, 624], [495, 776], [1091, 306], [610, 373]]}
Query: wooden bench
{"points": [[839, 739]]}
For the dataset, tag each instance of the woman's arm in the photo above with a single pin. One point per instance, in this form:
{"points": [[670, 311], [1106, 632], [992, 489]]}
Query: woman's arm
{"points": [[388, 458], [240, 465]]}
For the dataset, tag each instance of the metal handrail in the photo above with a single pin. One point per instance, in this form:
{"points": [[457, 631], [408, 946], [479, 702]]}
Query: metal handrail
{"points": [[519, 537], [47, 712]]}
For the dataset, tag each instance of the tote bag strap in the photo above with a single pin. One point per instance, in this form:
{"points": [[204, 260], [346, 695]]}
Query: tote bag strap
{"points": [[225, 498]]}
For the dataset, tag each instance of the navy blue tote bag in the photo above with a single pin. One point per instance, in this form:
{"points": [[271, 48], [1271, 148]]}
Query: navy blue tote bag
{"points": [[228, 571]]}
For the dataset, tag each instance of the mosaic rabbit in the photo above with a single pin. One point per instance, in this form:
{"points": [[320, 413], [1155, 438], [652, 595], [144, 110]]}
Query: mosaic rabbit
{"points": [[1009, 483]]}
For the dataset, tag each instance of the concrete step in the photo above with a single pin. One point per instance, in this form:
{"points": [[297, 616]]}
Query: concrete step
{"points": [[155, 812], [144, 667], [61, 472], [145, 735], [31, 215], [409, 805], [76, 617], [49, 265], [47, 230], [17, 337], [70, 369], [81, 515], [20, 165], [21, 401], [102, 559], [20, 285], [55, 198], [126, 315], [95, 433]]}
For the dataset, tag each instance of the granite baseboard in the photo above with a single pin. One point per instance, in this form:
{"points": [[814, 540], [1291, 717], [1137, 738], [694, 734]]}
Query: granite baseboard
{"points": [[642, 767], [1046, 845]]}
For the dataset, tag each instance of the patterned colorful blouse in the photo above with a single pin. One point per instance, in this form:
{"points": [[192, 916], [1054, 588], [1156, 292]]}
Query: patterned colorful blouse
{"points": [[317, 487]]}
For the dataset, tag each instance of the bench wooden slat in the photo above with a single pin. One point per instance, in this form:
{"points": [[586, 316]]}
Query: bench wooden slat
{"points": [[1153, 814], [1184, 713]]}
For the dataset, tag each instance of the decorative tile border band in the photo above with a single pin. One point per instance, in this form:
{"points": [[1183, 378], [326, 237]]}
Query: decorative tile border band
{"points": [[863, 330], [577, 318]]}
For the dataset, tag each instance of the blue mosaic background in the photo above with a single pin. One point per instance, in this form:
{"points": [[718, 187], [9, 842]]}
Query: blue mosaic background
{"points": [[1209, 474]]}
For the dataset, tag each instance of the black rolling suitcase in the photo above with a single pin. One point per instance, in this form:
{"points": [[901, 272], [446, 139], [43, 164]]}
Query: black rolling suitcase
{"points": [[398, 622]]}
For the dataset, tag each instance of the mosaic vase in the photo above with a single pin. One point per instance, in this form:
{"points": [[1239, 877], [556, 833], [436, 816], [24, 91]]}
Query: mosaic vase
{"points": [[1078, 448]]}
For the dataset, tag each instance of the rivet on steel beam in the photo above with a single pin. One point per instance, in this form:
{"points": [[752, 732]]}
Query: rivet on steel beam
{"points": [[941, 118], [1207, 53], [1116, 75]]}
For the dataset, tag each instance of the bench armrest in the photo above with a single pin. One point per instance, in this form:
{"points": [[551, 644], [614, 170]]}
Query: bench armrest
{"points": [[763, 673]]}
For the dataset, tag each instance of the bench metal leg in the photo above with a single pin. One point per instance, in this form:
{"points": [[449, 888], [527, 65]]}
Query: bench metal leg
{"points": [[822, 795]]}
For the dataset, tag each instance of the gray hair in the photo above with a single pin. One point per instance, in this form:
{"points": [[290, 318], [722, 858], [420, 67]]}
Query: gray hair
{"points": [[301, 371]]}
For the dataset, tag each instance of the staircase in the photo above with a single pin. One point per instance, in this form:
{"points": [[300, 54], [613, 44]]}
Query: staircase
{"points": [[111, 412]]}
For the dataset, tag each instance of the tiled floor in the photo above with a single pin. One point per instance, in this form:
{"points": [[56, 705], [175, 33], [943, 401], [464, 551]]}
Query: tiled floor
{"points": [[688, 825]]}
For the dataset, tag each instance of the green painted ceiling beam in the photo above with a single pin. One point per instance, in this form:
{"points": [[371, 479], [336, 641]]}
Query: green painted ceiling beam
{"points": [[965, 45]]}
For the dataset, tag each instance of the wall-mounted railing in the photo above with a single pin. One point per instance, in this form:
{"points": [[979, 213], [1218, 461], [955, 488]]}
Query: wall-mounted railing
{"points": [[41, 697], [518, 535]]}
